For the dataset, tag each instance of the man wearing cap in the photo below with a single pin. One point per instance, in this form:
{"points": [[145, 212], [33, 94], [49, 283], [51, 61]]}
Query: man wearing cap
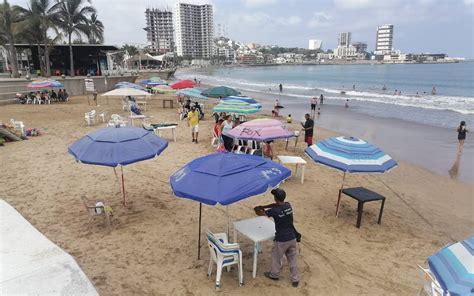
{"points": [[285, 236]]}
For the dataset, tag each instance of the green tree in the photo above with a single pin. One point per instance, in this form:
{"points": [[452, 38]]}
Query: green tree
{"points": [[40, 17], [73, 20], [9, 19], [95, 30]]}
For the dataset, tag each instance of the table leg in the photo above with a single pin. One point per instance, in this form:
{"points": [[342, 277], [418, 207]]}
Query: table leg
{"points": [[255, 254], [174, 135], [296, 170], [302, 173], [286, 146], [360, 209], [296, 142], [381, 211], [234, 236]]}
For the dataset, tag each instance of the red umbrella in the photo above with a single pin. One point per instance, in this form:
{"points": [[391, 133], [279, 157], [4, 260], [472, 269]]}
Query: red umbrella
{"points": [[183, 84]]}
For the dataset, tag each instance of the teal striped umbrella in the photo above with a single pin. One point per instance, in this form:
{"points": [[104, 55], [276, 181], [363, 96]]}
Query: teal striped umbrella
{"points": [[237, 107], [220, 91]]}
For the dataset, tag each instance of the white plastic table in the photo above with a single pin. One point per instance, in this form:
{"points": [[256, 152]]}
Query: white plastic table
{"points": [[257, 229], [132, 117], [294, 160], [171, 127]]}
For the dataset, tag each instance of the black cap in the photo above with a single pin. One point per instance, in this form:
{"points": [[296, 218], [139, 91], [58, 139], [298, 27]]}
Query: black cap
{"points": [[279, 194]]}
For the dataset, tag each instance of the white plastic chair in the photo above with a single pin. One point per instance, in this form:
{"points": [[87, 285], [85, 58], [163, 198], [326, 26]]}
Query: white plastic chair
{"points": [[117, 120], [90, 117], [37, 100], [223, 254], [97, 208], [18, 125], [125, 104], [102, 116], [253, 146], [430, 284]]}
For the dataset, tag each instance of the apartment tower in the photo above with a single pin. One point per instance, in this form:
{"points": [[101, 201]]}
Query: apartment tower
{"points": [[194, 28], [160, 35], [384, 41], [344, 39]]}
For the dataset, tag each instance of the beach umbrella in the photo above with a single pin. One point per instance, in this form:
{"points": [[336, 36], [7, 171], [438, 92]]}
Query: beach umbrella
{"points": [[242, 98], [350, 155], [126, 84], [112, 146], [261, 130], [156, 78], [237, 107], [194, 93], [163, 89], [46, 83], [220, 91], [123, 92], [183, 84], [453, 267], [149, 82], [226, 178]]}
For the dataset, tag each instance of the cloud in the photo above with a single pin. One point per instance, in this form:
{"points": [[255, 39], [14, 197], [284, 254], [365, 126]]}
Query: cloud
{"points": [[289, 21], [469, 2], [319, 19], [256, 3], [365, 4]]}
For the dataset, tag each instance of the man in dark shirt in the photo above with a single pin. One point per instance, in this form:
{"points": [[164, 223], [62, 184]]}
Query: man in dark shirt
{"points": [[308, 130], [285, 236]]}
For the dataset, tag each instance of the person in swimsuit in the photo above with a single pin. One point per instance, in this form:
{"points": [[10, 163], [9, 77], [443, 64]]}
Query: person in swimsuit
{"points": [[462, 130]]}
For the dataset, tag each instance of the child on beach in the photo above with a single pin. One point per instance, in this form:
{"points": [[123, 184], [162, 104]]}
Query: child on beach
{"points": [[462, 130], [289, 119], [347, 103]]}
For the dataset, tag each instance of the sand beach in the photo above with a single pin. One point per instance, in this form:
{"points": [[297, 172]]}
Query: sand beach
{"points": [[151, 249]]}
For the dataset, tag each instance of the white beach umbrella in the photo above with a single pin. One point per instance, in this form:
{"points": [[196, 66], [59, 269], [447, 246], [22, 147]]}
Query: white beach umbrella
{"points": [[123, 92]]}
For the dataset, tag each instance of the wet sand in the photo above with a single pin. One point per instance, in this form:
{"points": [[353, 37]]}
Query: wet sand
{"points": [[151, 249]]}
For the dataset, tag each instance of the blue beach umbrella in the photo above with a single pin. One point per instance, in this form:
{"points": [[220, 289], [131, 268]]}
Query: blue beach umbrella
{"points": [[242, 98], [194, 93], [350, 155], [117, 146], [453, 267], [149, 82], [126, 84], [226, 178]]}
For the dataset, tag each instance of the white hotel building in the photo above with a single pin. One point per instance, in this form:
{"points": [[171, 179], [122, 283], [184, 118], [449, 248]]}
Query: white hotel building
{"points": [[194, 29], [384, 41]]}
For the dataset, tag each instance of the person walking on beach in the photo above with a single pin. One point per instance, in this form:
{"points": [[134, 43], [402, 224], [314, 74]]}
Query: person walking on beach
{"points": [[321, 99], [284, 243], [433, 91], [193, 122], [347, 103], [462, 130], [308, 129], [226, 127], [281, 87], [314, 103]]}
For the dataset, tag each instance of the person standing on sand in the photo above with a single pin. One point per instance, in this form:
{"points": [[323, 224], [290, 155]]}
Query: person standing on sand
{"points": [[308, 129], [285, 236], [433, 91], [193, 122], [347, 103], [225, 128], [462, 130], [281, 87], [321, 99], [314, 103]]}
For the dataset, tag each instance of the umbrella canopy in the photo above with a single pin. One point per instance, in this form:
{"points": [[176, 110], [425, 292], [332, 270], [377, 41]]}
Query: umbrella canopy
{"points": [[453, 267], [117, 146], [156, 78], [163, 89], [220, 91], [149, 82], [126, 84], [183, 84], [123, 92], [242, 98], [194, 93], [350, 154], [237, 107], [260, 130], [226, 178], [48, 83]]}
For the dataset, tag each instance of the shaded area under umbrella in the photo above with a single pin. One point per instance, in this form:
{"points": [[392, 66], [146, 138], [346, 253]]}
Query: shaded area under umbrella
{"points": [[226, 178], [350, 155], [117, 146]]}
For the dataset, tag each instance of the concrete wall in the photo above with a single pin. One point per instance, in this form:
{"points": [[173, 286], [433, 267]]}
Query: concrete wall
{"points": [[74, 85]]}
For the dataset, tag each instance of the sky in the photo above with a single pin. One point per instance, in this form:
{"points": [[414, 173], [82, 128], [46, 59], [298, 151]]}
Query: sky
{"points": [[435, 26]]}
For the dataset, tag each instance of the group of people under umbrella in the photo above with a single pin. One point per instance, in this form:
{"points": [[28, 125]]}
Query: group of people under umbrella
{"points": [[226, 178]]}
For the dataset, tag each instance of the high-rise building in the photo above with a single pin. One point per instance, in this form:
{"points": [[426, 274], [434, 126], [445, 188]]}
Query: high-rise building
{"points": [[361, 47], [384, 41], [344, 39], [159, 28], [315, 44], [194, 27]]}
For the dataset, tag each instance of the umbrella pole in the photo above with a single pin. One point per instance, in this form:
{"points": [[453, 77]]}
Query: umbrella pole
{"points": [[123, 188], [228, 221], [199, 238], [340, 192]]}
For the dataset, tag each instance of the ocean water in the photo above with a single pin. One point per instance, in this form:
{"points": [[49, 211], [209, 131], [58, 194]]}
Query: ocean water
{"points": [[363, 84]]}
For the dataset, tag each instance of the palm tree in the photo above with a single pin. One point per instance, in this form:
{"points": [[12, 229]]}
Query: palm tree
{"points": [[72, 18], [41, 16], [9, 18], [95, 29]]}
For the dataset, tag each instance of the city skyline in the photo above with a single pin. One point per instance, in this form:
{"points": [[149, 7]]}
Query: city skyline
{"points": [[421, 26]]}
